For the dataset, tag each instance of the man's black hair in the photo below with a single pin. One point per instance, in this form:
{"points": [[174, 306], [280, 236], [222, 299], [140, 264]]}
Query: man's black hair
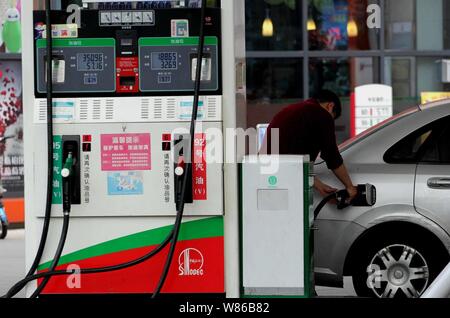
{"points": [[327, 96]]}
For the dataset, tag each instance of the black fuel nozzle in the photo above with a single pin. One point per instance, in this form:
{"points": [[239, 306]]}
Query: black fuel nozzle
{"points": [[342, 199], [366, 196], [67, 180], [182, 155]]}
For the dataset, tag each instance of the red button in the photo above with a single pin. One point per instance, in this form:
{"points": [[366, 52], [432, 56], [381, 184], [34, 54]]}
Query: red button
{"points": [[87, 138]]}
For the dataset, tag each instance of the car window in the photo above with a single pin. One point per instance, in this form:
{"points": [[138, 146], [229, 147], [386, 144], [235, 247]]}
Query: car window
{"points": [[438, 149], [427, 144], [406, 151], [361, 137], [353, 141]]}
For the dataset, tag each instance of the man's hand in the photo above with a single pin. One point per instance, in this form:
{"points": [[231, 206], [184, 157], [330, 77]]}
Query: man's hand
{"points": [[352, 193], [323, 188], [342, 174]]}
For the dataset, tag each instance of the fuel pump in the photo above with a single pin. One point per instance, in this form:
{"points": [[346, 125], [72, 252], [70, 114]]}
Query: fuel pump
{"points": [[123, 83]]}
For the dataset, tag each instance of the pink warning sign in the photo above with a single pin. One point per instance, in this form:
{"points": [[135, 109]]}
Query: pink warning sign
{"points": [[125, 152]]}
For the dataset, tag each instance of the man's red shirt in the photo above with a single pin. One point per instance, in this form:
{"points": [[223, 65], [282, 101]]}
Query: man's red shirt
{"points": [[306, 128]]}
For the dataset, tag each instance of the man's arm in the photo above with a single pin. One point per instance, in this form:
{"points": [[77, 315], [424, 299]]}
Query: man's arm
{"points": [[331, 155], [342, 174]]}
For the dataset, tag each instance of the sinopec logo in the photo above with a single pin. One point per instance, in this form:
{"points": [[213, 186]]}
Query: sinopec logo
{"points": [[190, 263]]}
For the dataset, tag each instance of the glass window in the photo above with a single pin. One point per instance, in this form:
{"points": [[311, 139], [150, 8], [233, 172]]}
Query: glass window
{"points": [[66, 3], [272, 84], [272, 80], [56, 4], [38, 4], [340, 25], [428, 144], [417, 24], [406, 151], [273, 25], [341, 76], [410, 77], [401, 75], [438, 150], [400, 24]]}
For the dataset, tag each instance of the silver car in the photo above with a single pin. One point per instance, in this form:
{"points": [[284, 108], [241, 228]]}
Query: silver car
{"points": [[397, 247]]}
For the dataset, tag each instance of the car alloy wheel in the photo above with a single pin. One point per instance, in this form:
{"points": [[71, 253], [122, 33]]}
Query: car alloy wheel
{"points": [[398, 270]]}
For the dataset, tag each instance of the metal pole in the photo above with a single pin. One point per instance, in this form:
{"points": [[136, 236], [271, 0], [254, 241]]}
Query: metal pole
{"points": [[382, 43], [440, 287], [305, 48]]}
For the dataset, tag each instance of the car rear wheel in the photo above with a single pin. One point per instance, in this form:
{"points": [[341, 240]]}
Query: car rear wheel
{"points": [[397, 267]]}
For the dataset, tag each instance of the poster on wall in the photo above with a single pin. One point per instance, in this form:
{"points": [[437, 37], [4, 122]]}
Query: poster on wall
{"points": [[334, 19], [4, 5], [10, 26], [11, 128]]}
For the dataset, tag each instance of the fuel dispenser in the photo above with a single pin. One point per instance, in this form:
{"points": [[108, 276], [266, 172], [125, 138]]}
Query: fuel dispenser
{"points": [[277, 227], [125, 82]]}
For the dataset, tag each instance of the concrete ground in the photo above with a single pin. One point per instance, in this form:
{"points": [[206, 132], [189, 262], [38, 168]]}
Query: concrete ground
{"points": [[347, 291], [12, 267], [12, 260]]}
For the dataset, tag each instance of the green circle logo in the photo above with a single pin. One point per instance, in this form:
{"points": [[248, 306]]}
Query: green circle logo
{"points": [[273, 181]]}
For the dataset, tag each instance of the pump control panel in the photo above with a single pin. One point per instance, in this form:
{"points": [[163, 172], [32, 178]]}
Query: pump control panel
{"points": [[79, 65], [156, 56], [170, 64], [127, 88]]}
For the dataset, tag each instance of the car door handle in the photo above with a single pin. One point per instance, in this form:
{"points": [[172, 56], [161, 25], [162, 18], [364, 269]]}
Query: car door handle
{"points": [[439, 183]]}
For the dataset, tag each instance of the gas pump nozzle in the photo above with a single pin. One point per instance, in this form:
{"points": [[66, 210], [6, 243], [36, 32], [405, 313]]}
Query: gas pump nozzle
{"points": [[67, 177], [367, 196], [181, 159]]}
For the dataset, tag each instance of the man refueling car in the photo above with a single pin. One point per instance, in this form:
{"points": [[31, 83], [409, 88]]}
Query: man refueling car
{"points": [[307, 128]]}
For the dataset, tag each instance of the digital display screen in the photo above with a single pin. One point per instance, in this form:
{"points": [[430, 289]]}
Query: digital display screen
{"points": [[90, 79], [164, 61], [90, 62], [164, 79]]}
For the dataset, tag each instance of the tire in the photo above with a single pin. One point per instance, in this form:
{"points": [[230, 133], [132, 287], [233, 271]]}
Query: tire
{"points": [[396, 266], [3, 230]]}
